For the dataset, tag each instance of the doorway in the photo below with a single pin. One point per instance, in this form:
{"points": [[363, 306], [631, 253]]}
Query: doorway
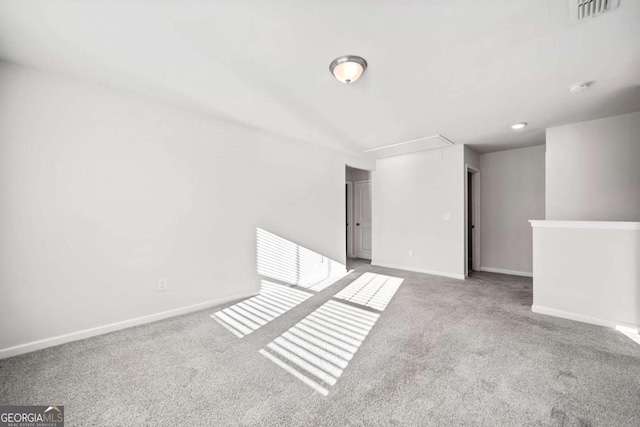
{"points": [[472, 220], [358, 213], [470, 226], [362, 211], [349, 221]]}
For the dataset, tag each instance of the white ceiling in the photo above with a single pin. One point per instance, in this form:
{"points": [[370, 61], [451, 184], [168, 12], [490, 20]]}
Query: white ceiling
{"points": [[465, 69]]}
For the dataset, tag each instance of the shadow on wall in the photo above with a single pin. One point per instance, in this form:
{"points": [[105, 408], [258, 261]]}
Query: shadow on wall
{"points": [[283, 260]]}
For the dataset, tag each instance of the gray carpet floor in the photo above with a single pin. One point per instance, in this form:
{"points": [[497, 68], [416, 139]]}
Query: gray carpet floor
{"points": [[443, 352]]}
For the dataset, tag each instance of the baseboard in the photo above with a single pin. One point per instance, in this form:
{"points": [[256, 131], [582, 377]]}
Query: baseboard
{"points": [[100, 330], [580, 317], [420, 270], [502, 271]]}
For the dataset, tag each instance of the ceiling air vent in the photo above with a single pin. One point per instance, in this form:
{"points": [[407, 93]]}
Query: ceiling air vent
{"points": [[581, 10]]}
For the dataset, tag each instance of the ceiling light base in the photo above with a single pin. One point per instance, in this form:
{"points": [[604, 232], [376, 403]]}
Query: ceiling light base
{"points": [[579, 87]]}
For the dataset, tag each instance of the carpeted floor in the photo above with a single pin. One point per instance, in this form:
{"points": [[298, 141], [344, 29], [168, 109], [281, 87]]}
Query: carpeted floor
{"points": [[443, 352]]}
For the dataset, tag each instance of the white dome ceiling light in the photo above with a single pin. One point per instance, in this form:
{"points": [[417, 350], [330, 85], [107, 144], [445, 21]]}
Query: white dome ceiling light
{"points": [[347, 69], [518, 126]]}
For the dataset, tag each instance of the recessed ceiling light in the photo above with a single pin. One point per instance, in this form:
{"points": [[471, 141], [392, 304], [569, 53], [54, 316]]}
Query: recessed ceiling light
{"points": [[517, 126], [579, 87], [347, 69]]}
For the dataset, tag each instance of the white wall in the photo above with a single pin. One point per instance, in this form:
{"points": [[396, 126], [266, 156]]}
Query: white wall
{"points": [[588, 271], [593, 171], [410, 195], [512, 193], [101, 194]]}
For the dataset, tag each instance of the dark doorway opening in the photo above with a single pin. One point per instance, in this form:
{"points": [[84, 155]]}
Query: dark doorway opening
{"points": [[470, 226]]}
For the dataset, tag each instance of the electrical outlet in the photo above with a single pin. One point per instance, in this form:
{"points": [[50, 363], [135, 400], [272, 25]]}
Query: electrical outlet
{"points": [[162, 285], [446, 216], [410, 252]]}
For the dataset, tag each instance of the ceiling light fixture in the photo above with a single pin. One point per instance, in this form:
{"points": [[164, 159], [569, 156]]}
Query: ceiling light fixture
{"points": [[347, 69], [518, 126], [579, 87]]}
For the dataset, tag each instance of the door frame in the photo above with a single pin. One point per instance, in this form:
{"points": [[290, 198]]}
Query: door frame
{"points": [[355, 216], [476, 244], [350, 217]]}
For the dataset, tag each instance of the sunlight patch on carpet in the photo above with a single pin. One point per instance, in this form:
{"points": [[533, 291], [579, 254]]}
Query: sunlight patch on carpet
{"points": [[253, 313], [318, 348], [371, 290]]}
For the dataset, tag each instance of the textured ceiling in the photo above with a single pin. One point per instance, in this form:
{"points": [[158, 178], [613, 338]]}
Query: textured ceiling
{"points": [[465, 69]]}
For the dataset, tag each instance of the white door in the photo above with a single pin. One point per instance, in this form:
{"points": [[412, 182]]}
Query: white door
{"points": [[351, 251], [363, 219]]}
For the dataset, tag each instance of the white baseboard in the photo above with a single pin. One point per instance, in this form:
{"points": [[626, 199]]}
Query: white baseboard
{"points": [[100, 330], [420, 270], [502, 271], [580, 317]]}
